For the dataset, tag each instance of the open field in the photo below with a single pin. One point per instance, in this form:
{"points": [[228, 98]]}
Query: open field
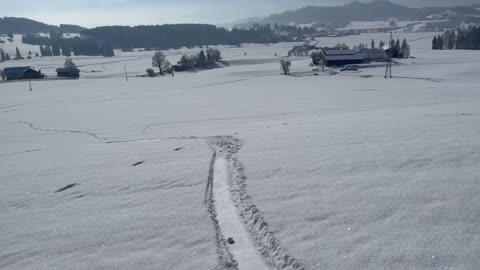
{"points": [[351, 171]]}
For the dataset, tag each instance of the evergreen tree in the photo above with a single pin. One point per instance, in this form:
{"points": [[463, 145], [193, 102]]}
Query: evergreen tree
{"points": [[202, 60], [108, 51], [392, 44], [7, 57], [381, 44], [398, 46], [434, 43], [405, 50], [2, 55], [373, 43], [42, 51], [18, 56], [460, 42], [451, 40], [440, 43], [66, 51], [446, 40], [48, 51], [56, 50]]}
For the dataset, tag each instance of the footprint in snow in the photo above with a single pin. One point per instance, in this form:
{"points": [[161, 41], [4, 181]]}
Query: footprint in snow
{"points": [[66, 187], [138, 163]]}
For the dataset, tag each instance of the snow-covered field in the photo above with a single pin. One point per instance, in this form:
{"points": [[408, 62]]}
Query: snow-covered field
{"points": [[351, 171], [371, 25]]}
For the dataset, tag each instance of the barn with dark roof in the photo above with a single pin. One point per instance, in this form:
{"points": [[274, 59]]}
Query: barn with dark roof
{"points": [[21, 73]]}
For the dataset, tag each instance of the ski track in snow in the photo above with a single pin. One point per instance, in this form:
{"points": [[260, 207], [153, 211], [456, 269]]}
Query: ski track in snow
{"points": [[228, 166], [32, 126], [230, 223]]}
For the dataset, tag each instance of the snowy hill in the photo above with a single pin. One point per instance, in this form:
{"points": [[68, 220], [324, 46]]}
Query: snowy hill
{"points": [[25, 26], [379, 10], [241, 167]]}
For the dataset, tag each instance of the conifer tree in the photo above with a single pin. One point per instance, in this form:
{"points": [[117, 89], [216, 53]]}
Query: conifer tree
{"points": [[2, 55], [451, 40], [405, 50], [48, 51], [55, 50], [17, 54], [202, 60], [440, 43]]}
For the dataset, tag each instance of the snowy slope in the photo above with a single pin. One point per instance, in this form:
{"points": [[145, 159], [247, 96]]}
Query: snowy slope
{"points": [[327, 172]]}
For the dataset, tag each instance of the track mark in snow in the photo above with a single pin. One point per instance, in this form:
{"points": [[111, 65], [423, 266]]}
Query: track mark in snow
{"points": [[22, 152], [66, 187], [231, 224], [225, 258], [32, 126], [226, 165], [137, 163]]}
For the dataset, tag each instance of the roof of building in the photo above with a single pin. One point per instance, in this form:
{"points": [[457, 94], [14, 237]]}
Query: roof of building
{"points": [[69, 70], [16, 70], [344, 55], [339, 52]]}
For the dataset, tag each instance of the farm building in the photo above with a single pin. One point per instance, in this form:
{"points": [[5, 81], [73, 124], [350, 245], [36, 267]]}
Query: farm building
{"points": [[342, 57], [68, 72], [375, 55], [21, 73]]}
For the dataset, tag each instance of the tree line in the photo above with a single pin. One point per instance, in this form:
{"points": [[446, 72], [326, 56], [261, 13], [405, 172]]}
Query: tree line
{"points": [[56, 45], [188, 61], [460, 39], [201, 59], [155, 37], [180, 35]]}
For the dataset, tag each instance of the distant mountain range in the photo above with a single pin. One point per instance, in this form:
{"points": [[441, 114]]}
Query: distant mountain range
{"points": [[380, 10], [26, 26], [335, 16]]}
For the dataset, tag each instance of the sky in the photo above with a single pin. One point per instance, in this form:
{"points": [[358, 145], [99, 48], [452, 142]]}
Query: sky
{"points": [[91, 13]]}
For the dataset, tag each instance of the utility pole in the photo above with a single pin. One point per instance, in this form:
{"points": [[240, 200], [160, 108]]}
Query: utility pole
{"points": [[126, 75], [389, 61]]}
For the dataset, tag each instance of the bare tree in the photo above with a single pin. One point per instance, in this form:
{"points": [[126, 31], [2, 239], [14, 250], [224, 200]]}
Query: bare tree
{"points": [[299, 50], [285, 66], [319, 59], [392, 22], [213, 55], [69, 64], [159, 60]]}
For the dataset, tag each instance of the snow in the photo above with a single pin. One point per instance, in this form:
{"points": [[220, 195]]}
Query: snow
{"points": [[362, 25], [372, 25], [9, 47], [351, 171], [230, 223]]}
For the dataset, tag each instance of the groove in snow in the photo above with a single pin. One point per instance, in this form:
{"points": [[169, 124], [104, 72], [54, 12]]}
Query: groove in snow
{"points": [[231, 225]]}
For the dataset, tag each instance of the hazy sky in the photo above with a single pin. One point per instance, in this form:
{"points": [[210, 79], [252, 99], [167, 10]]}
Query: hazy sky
{"points": [[132, 12]]}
